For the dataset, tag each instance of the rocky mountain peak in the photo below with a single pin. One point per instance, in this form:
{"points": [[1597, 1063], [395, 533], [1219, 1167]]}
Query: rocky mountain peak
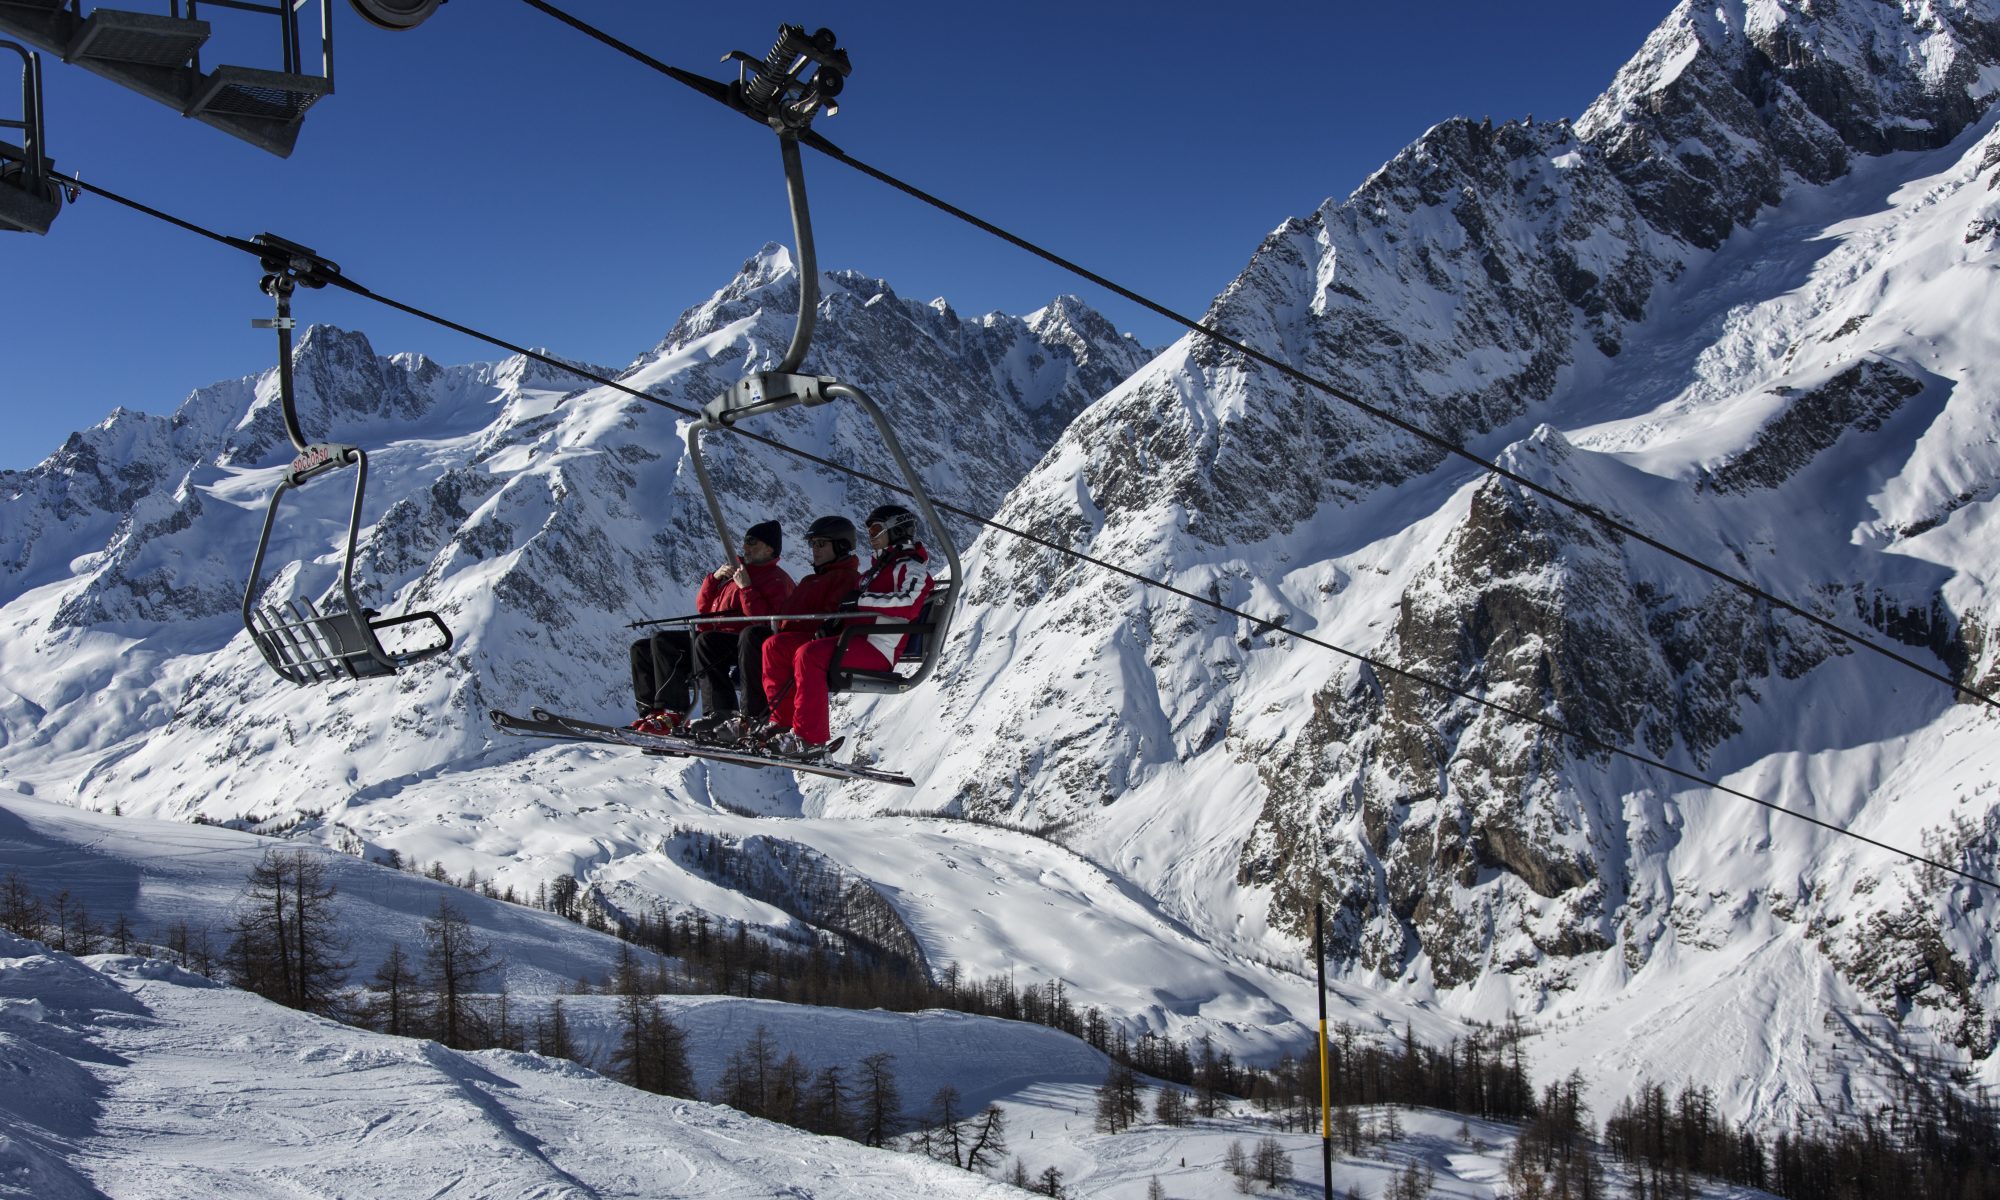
{"points": [[1724, 102]]}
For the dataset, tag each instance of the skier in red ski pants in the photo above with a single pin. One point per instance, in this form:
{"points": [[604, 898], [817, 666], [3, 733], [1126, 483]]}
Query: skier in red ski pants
{"points": [[796, 663]]}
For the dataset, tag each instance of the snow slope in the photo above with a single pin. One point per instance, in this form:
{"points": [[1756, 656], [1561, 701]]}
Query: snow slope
{"points": [[153, 1082]]}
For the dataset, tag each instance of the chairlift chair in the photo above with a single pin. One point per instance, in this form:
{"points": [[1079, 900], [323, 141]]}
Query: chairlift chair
{"points": [[787, 88], [303, 643], [159, 56], [30, 196]]}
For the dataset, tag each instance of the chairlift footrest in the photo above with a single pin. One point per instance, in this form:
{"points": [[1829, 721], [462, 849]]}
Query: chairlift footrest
{"points": [[542, 723]]}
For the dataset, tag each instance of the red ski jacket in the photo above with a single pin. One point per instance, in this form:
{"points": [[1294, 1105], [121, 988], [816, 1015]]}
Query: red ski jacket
{"points": [[899, 582], [820, 592], [770, 586]]}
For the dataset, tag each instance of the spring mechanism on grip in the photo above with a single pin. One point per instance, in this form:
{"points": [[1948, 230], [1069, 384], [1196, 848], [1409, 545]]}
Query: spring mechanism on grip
{"points": [[779, 89], [776, 69]]}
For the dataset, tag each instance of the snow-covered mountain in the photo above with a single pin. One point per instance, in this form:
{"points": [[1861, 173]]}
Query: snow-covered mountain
{"points": [[1744, 302]]}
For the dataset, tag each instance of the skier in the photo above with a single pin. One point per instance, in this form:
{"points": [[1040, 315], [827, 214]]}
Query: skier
{"points": [[664, 663], [796, 663]]}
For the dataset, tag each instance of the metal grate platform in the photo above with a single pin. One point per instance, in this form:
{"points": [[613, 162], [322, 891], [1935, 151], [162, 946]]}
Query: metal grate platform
{"points": [[248, 92], [41, 23], [145, 39]]}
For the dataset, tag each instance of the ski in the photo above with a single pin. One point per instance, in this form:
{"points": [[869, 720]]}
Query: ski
{"points": [[543, 723]]}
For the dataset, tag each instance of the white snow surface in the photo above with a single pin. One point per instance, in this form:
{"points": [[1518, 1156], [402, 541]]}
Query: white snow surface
{"points": [[135, 1079], [151, 1082]]}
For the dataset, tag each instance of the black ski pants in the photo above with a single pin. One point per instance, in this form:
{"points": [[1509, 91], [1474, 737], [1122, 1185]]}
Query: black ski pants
{"points": [[716, 653], [665, 664]]}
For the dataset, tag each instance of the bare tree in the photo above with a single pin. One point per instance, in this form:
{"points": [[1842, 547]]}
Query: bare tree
{"points": [[1413, 1184], [652, 1049], [391, 1000], [191, 948], [124, 940], [881, 1104], [1270, 1165], [986, 1139], [1118, 1103], [942, 1132], [1237, 1163], [552, 1037], [749, 1079], [827, 1107], [456, 959], [70, 928], [20, 912], [284, 942]]}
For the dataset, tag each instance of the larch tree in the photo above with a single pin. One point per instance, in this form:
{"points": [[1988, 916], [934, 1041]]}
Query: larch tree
{"points": [[878, 1100], [456, 960], [392, 993], [285, 941], [986, 1139]]}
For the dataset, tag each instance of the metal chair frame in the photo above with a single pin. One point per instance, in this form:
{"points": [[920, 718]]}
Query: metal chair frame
{"points": [[159, 56], [301, 642]]}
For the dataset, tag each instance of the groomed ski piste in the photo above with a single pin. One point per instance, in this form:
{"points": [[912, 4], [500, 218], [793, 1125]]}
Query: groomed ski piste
{"points": [[133, 1079]]}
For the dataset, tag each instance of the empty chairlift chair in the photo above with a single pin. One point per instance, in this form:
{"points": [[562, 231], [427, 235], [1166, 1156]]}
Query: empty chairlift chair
{"points": [[300, 641]]}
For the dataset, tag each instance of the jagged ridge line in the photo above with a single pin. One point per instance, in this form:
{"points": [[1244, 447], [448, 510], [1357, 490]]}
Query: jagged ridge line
{"points": [[1593, 512], [1262, 624]]}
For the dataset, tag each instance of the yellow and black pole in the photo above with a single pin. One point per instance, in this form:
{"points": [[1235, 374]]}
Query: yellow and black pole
{"points": [[1325, 1075]]}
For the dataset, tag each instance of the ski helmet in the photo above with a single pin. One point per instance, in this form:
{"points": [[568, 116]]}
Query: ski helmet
{"points": [[837, 530], [899, 524]]}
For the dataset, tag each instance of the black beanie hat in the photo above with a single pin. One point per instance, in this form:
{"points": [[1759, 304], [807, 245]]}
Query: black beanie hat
{"points": [[768, 533]]}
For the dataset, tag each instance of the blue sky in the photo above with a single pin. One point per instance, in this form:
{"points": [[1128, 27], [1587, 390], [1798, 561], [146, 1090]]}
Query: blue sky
{"points": [[504, 171]]}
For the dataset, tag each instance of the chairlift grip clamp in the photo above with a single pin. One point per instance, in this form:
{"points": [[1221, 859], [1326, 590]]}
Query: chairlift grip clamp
{"points": [[773, 89], [287, 263], [319, 459], [765, 392]]}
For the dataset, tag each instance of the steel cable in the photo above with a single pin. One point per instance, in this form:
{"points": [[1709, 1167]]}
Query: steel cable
{"points": [[1262, 625], [710, 89]]}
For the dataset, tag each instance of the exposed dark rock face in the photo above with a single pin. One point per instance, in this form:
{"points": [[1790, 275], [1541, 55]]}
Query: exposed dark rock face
{"points": [[1536, 610], [811, 887], [1456, 284], [1705, 126], [1455, 288], [1860, 398], [1899, 952]]}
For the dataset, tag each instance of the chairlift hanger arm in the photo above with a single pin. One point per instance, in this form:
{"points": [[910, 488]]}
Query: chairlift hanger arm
{"points": [[288, 265]]}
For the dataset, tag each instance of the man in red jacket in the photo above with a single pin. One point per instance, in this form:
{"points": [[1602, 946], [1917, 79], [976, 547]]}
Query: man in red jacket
{"points": [[898, 583], [664, 663]]}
